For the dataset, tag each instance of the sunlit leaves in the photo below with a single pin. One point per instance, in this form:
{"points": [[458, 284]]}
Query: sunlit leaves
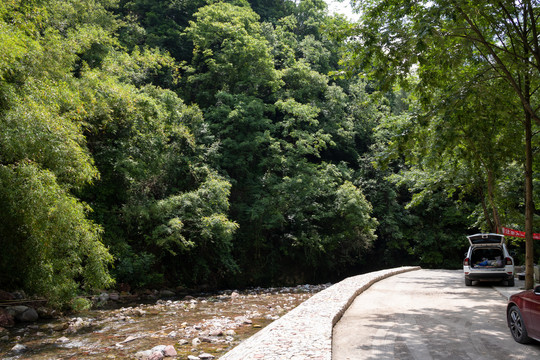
{"points": [[43, 150], [47, 241], [230, 54], [45, 132]]}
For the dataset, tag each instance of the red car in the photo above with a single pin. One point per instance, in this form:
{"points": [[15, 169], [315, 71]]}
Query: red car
{"points": [[523, 315]]}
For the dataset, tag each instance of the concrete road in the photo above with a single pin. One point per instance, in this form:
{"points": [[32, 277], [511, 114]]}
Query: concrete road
{"points": [[428, 314]]}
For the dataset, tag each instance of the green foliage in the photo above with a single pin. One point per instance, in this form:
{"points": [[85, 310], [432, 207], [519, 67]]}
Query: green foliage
{"points": [[158, 200], [208, 144], [473, 77], [194, 219], [157, 24], [141, 67], [41, 125], [48, 244], [272, 10], [44, 158], [135, 269], [229, 54], [80, 304]]}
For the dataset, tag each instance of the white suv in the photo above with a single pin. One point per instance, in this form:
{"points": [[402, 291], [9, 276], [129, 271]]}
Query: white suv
{"points": [[488, 260]]}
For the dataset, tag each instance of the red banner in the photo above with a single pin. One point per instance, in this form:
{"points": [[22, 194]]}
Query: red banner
{"points": [[517, 233]]}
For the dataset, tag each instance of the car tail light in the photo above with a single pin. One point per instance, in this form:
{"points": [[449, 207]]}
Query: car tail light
{"points": [[508, 261], [466, 262]]}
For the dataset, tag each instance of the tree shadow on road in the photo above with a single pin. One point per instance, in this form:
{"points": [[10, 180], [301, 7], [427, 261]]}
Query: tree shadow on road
{"points": [[433, 317]]}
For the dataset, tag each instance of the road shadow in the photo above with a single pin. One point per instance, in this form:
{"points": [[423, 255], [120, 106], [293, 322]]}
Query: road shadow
{"points": [[431, 314]]}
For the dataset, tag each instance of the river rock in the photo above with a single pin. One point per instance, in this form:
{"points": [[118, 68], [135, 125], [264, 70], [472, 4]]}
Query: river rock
{"points": [[19, 349], [143, 355], [76, 324], [169, 351], [62, 340], [46, 313], [114, 296], [6, 318], [216, 332], [243, 320], [14, 310], [104, 297], [132, 311], [159, 348], [60, 326], [206, 339], [19, 294], [193, 357], [206, 356], [29, 315], [23, 313], [156, 355], [167, 293], [128, 339]]}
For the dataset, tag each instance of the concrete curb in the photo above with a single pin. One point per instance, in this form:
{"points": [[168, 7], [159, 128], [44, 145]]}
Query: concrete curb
{"points": [[306, 331], [506, 291]]}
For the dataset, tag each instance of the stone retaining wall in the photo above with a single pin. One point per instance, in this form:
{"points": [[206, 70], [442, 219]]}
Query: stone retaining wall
{"points": [[306, 331]]}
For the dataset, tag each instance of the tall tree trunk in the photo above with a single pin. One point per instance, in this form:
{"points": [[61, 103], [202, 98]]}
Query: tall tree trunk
{"points": [[491, 226], [529, 201], [491, 199], [529, 204]]}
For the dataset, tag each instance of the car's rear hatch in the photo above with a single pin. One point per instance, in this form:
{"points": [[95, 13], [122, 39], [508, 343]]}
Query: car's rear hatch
{"points": [[487, 240]]}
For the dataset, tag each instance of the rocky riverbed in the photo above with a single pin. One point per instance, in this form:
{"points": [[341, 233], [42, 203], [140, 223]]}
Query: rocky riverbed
{"points": [[193, 327]]}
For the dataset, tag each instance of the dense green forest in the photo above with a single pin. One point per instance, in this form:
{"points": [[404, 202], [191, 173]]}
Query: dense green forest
{"points": [[210, 144]]}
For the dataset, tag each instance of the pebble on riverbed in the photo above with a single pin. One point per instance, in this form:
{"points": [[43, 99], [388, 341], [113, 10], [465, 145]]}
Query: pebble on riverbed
{"points": [[203, 356], [157, 353], [197, 326], [19, 349]]}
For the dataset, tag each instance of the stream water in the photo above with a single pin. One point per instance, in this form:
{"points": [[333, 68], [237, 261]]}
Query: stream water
{"points": [[210, 324]]}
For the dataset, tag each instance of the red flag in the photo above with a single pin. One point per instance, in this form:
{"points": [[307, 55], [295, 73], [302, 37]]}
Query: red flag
{"points": [[517, 233]]}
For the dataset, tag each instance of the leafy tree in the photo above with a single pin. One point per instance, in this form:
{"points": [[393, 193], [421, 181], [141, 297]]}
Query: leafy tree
{"points": [[157, 198], [51, 248], [273, 128], [310, 16], [47, 242], [465, 147], [445, 37], [272, 10], [158, 24], [229, 54]]}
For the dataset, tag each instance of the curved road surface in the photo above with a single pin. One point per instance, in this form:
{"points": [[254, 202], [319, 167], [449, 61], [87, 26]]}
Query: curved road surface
{"points": [[428, 314]]}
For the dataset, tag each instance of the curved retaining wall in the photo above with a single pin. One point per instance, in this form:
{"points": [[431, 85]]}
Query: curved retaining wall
{"points": [[306, 331]]}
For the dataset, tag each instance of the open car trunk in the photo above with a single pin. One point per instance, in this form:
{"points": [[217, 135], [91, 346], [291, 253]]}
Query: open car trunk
{"points": [[487, 258]]}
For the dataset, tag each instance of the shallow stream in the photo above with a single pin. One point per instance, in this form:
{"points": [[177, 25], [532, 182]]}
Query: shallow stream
{"points": [[210, 324]]}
